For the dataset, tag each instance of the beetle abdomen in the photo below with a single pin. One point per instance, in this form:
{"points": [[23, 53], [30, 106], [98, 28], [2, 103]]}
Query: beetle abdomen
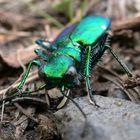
{"points": [[90, 29], [96, 54]]}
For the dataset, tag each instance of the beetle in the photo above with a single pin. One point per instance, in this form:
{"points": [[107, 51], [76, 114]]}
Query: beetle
{"points": [[73, 55]]}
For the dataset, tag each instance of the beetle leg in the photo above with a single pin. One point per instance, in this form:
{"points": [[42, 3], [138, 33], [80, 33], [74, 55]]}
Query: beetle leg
{"points": [[47, 97], [40, 54], [88, 85], [126, 69], [64, 100], [34, 62], [90, 95]]}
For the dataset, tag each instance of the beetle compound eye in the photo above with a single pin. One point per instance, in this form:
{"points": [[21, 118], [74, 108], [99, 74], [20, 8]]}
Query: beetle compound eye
{"points": [[71, 71], [70, 74]]}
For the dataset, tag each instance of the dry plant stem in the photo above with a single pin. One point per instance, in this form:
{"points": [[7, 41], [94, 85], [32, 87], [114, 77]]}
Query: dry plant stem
{"points": [[110, 78], [24, 69], [4, 97], [21, 109], [20, 62], [32, 76], [3, 104], [17, 20], [91, 4], [15, 33], [34, 100], [110, 71], [4, 92], [132, 84], [127, 24], [21, 125], [131, 93]]}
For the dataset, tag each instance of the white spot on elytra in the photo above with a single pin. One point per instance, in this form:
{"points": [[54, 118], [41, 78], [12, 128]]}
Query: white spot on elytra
{"points": [[103, 27]]}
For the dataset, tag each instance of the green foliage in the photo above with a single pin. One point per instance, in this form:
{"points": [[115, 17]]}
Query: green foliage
{"points": [[71, 9], [65, 7]]}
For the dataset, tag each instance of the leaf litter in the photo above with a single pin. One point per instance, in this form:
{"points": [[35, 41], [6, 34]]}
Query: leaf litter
{"points": [[29, 116]]}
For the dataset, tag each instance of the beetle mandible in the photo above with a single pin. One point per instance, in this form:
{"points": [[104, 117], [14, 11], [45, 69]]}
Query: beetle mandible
{"points": [[74, 54]]}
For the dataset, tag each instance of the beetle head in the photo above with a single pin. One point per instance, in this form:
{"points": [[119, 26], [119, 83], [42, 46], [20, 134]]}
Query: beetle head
{"points": [[59, 71]]}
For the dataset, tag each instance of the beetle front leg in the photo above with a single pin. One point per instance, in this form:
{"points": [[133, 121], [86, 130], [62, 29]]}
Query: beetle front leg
{"points": [[88, 84], [34, 62]]}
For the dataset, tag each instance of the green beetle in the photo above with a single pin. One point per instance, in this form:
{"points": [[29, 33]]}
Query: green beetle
{"points": [[74, 54]]}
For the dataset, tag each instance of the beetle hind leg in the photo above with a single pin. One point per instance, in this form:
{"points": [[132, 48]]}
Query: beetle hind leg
{"points": [[90, 95], [87, 72], [125, 68]]}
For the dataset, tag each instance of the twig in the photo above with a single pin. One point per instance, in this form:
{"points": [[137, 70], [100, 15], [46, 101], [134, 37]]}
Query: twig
{"points": [[24, 69], [127, 24], [32, 100], [20, 62], [4, 93], [32, 76], [16, 21], [131, 93], [21, 109], [131, 83], [15, 33], [110, 72]]}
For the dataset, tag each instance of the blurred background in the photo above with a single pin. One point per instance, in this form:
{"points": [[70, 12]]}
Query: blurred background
{"points": [[24, 21]]}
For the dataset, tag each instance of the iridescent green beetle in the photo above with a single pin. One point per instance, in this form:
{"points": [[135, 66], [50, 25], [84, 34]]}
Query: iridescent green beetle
{"points": [[74, 54]]}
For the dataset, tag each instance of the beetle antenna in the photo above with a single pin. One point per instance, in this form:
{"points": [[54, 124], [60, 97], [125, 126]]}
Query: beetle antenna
{"points": [[82, 112]]}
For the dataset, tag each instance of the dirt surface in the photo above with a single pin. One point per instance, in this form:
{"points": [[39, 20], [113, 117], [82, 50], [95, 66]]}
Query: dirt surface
{"points": [[116, 119]]}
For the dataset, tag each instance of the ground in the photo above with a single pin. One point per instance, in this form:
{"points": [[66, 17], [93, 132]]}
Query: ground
{"points": [[29, 116]]}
